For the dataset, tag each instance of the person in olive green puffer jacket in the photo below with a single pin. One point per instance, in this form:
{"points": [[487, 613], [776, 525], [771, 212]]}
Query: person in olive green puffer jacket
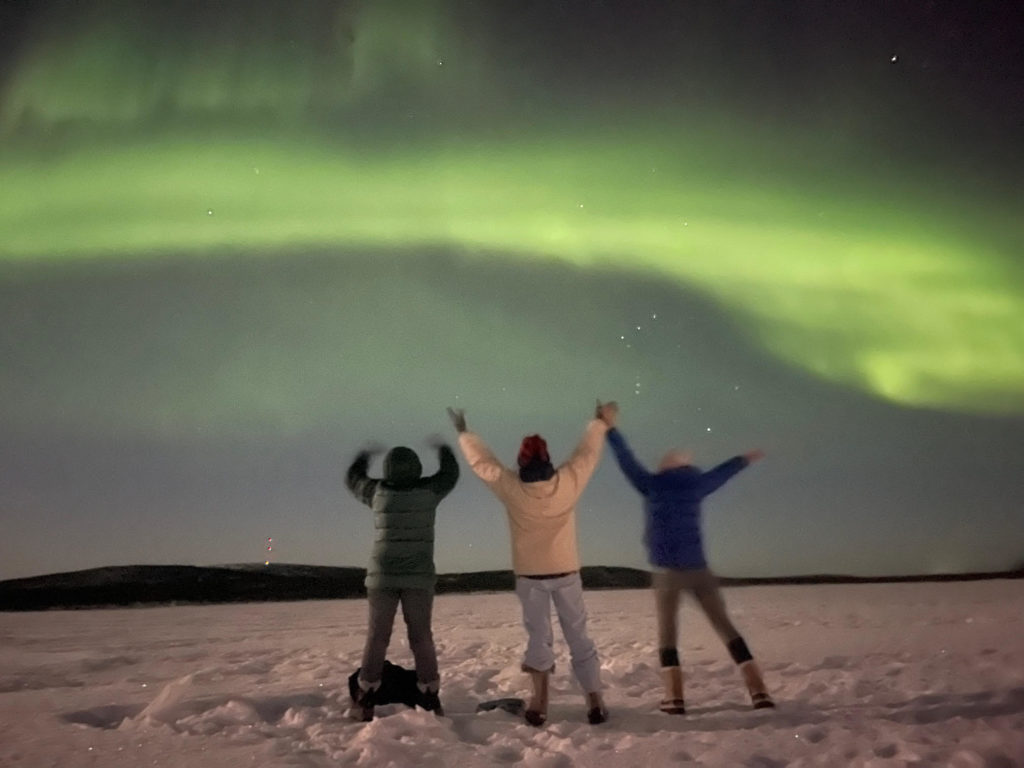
{"points": [[401, 568]]}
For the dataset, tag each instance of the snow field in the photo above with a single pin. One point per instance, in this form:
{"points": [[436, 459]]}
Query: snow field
{"points": [[879, 675]]}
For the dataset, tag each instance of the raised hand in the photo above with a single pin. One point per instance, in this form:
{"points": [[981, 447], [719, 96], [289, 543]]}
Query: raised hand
{"points": [[754, 455], [458, 417], [607, 412]]}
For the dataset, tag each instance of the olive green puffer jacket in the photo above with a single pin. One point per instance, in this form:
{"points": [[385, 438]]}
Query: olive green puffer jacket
{"points": [[404, 505]]}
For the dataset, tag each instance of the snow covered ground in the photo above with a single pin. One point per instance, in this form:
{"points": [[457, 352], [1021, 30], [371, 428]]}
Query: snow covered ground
{"points": [[865, 675]]}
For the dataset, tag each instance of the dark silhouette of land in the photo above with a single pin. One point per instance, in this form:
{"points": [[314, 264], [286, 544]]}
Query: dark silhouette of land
{"points": [[137, 585]]}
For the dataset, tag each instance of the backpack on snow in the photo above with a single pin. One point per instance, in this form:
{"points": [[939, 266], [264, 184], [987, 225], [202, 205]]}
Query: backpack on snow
{"points": [[397, 686]]}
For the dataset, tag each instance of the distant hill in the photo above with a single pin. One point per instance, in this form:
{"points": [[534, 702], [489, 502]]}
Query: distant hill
{"points": [[168, 584], [163, 584]]}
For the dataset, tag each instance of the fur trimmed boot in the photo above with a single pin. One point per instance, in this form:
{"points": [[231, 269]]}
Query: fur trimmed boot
{"points": [[672, 703], [759, 695]]}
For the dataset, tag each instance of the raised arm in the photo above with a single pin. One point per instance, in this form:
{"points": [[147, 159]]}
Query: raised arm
{"points": [[634, 471], [362, 487], [715, 478], [481, 460], [443, 481], [583, 462]]}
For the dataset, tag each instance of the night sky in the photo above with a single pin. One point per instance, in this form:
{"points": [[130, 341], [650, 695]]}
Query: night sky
{"points": [[241, 240]]}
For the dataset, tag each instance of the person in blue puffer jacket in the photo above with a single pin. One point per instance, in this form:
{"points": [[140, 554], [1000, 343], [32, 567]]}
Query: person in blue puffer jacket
{"points": [[675, 547]]}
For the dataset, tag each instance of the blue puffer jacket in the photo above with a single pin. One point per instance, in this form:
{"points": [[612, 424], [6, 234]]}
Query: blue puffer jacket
{"points": [[672, 505]]}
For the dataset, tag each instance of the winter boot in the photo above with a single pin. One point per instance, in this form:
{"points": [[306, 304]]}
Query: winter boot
{"points": [[429, 698], [673, 703], [537, 710], [365, 701], [597, 712], [759, 695]]}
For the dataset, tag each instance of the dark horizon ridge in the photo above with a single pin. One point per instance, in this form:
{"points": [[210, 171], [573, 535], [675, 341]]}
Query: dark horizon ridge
{"points": [[151, 585]]}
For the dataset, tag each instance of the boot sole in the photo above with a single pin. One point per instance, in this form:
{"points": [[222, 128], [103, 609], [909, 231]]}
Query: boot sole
{"points": [[535, 718], [673, 707]]}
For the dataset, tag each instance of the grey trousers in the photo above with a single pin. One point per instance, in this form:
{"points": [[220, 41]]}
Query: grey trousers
{"points": [[669, 584], [566, 592], [417, 605]]}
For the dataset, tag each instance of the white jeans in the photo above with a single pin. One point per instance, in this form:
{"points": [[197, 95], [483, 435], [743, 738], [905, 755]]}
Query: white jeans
{"points": [[536, 596]]}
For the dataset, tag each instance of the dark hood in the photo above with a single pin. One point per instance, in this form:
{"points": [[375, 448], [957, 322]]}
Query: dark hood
{"points": [[402, 466]]}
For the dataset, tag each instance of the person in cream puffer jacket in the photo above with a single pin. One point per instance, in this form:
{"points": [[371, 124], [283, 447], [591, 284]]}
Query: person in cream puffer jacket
{"points": [[540, 502]]}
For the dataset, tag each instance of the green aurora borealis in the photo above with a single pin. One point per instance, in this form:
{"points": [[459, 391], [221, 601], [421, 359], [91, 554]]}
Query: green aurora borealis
{"points": [[883, 295], [839, 266], [252, 219]]}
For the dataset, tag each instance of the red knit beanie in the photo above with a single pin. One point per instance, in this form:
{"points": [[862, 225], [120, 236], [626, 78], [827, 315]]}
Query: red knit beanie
{"points": [[533, 447]]}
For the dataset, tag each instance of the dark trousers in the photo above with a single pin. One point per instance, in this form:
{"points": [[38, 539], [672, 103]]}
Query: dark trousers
{"points": [[669, 586], [417, 605]]}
